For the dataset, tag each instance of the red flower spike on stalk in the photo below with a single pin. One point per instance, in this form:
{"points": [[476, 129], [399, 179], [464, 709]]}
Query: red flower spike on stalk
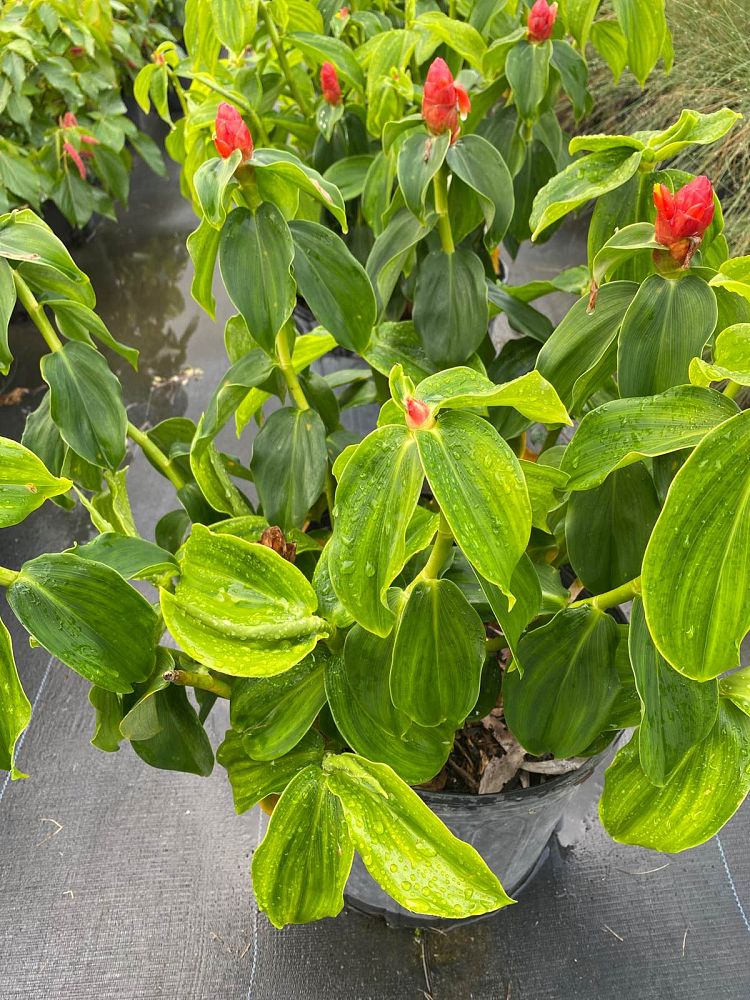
{"points": [[68, 120], [683, 217], [418, 414], [75, 156], [541, 21], [329, 84], [232, 133], [443, 101]]}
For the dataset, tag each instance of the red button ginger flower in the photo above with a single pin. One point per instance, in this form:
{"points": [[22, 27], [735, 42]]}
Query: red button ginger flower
{"points": [[541, 21], [418, 414], [232, 133], [683, 217], [329, 83], [443, 101]]}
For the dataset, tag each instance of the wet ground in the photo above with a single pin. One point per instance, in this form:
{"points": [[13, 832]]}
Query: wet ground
{"points": [[123, 882]]}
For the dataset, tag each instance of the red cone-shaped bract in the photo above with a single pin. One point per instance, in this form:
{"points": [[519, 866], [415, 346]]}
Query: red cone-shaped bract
{"points": [[329, 84], [541, 21], [418, 414], [231, 133], [443, 100], [687, 212]]}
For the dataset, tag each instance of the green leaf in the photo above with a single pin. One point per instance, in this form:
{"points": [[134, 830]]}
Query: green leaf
{"points": [[278, 163], [609, 41], [212, 181], [692, 128], [375, 500], [624, 431], [405, 847], [76, 321], [320, 49], [546, 486], [86, 615], [25, 483], [736, 687], [573, 73], [108, 708], [450, 305], [274, 713], [132, 558], [704, 793], [250, 371], [667, 323], [731, 358], [527, 70], [588, 177], [644, 25], [203, 247], [235, 23], [677, 713], [437, 655], [15, 707], [481, 166], [255, 257], [302, 864], [463, 388], [579, 15], [696, 571], [334, 284], [349, 174], [86, 403], [419, 159], [569, 684], [329, 606], [358, 690], [391, 251], [607, 529], [24, 237], [289, 465], [734, 275], [240, 608], [618, 248], [252, 780], [478, 483], [527, 590], [459, 36], [582, 352], [7, 304]]}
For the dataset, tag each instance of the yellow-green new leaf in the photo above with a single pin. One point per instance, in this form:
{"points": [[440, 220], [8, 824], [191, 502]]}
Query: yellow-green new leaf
{"points": [[240, 608], [252, 780], [696, 571], [25, 483], [703, 794], [302, 864], [731, 358], [15, 707], [734, 275], [405, 847], [463, 388]]}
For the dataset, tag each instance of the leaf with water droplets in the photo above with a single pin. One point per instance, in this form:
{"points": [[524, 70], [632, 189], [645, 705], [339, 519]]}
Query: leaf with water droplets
{"points": [[15, 708], [25, 482]]}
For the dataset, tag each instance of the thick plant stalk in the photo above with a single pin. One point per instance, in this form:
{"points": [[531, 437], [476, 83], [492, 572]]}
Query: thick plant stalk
{"points": [[440, 186], [206, 682], [7, 576], [611, 598], [290, 375], [284, 62], [440, 551]]}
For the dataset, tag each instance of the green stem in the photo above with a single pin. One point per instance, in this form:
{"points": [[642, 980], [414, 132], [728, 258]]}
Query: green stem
{"points": [[206, 682], [611, 598], [156, 455], [257, 126], [36, 313], [290, 375], [496, 644], [440, 187], [330, 494], [732, 389], [7, 576], [440, 551], [283, 61]]}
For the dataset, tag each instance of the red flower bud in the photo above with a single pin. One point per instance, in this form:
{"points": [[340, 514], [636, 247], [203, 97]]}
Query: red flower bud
{"points": [[232, 133], [69, 120], [343, 13], [418, 414], [443, 101], [75, 156], [683, 217], [541, 21], [329, 83]]}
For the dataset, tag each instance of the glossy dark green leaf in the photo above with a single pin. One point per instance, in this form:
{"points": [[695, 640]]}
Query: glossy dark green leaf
{"points": [[108, 708], [7, 304], [212, 181], [279, 164], [391, 251], [438, 655], [180, 742], [289, 465], [349, 174], [86, 403], [607, 529], [419, 159], [375, 501], [255, 256], [252, 780], [25, 238], [77, 322], [582, 352], [624, 431], [677, 712], [569, 683], [405, 847], [133, 558], [334, 284], [274, 713], [450, 305], [463, 388], [478, 483], [696, 571], [15, 707], [25, 483], [668, 322], [357, 686], [481, 166], [527, 70], [704, 793], [573, 71], [527, 590], [86, 615], [240, 608], [301, 866], [203, 247]]}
